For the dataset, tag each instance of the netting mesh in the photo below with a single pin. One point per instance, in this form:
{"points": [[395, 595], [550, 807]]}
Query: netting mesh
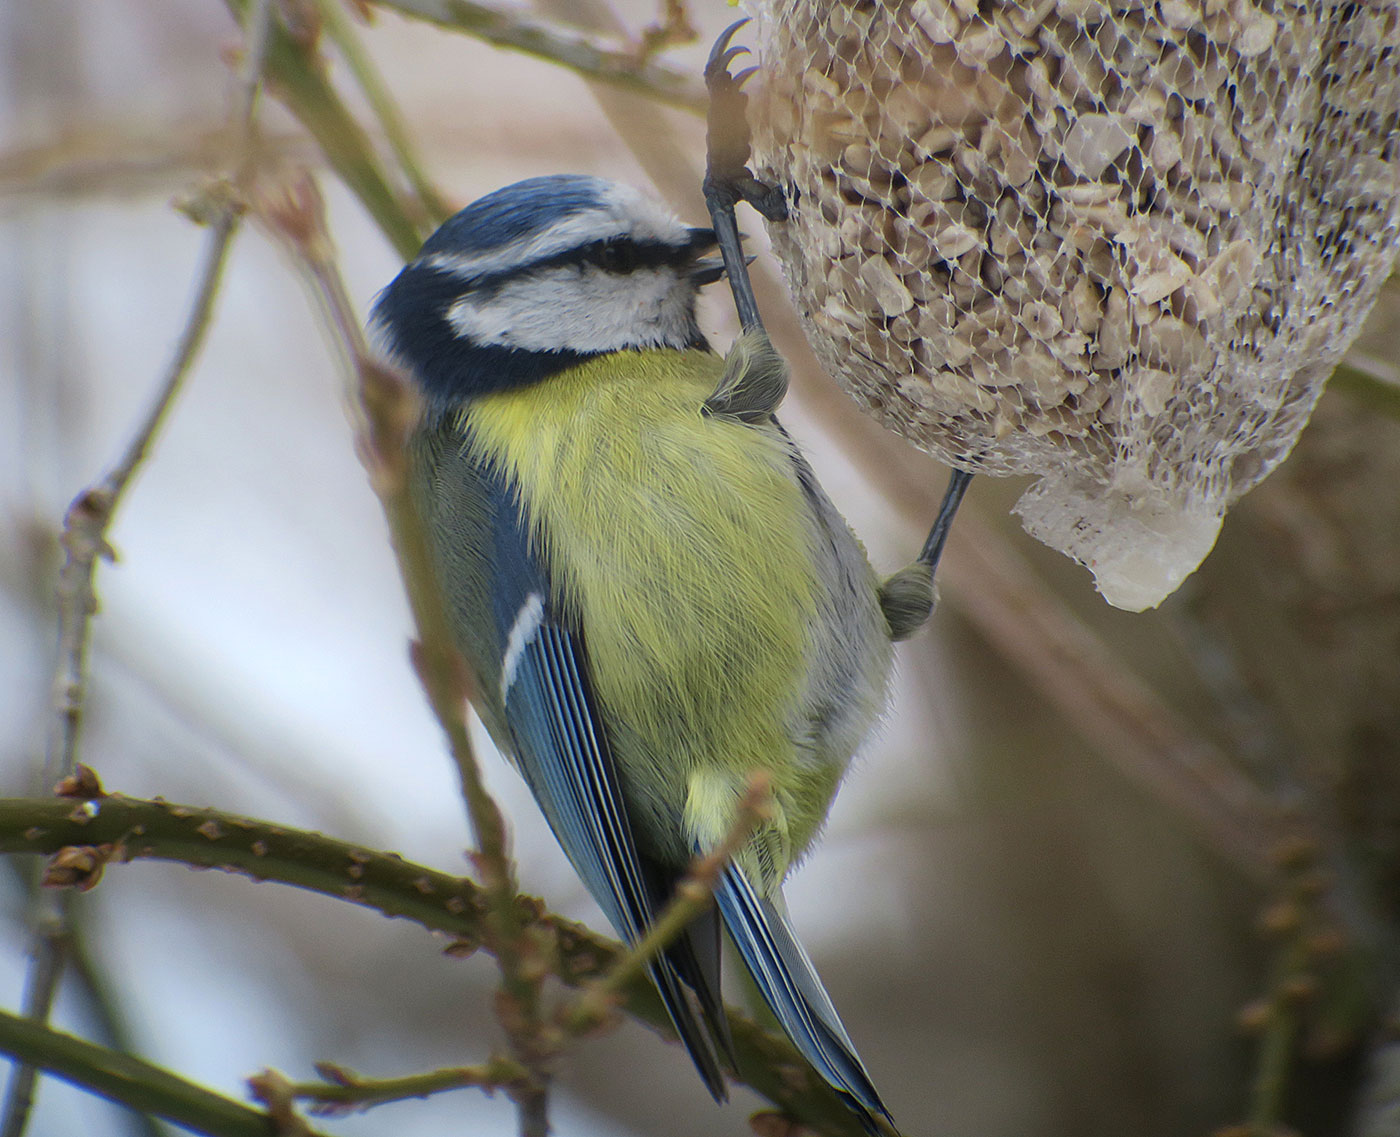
{"points": [[1119, 245]]}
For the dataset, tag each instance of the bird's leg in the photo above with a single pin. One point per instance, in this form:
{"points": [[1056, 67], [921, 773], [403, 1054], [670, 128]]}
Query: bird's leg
{"points": [[754, 382], [728, 179], [907, 597], [755, 375]]}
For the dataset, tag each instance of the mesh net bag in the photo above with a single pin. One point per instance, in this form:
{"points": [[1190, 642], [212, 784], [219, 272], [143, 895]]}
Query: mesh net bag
{"points": [[1119, 245]]}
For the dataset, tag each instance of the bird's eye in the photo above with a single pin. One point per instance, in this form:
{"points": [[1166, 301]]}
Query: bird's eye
{"points": [[617, 256]]}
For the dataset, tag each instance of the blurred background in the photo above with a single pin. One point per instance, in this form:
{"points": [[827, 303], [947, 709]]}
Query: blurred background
{"points": [[1031, 906]]}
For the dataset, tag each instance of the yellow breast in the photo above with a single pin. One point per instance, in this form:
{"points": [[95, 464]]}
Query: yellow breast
{"points": [[681, 542]]}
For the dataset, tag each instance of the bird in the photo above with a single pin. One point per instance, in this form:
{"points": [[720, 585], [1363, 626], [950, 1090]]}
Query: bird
{"points": [[652, 593]]}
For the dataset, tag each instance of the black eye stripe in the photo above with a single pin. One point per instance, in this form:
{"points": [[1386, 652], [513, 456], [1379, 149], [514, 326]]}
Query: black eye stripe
{"points": [[617, 256], [620, 255]]}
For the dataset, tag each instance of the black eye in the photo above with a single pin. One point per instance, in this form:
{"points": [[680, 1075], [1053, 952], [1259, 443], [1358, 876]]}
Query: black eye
{"points": [[617, 256]]}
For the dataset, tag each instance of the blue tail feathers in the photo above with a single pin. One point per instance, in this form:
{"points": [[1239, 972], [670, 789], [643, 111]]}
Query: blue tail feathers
{"points": [[794, 992]]}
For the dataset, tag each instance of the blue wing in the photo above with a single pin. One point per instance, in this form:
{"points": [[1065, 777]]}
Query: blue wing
{"points": [[793, 991], [561, 744]]}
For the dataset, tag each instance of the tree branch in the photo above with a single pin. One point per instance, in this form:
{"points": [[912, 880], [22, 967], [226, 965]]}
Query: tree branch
{"points": [[296, 75], [344, 1091], [432, 208], [623, 67], [129, 1081], [113, 830], [118, 829]]}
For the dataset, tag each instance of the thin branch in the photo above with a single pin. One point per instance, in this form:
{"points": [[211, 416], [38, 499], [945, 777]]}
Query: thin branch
{"points": [[84, 541], [344, 1091], [433, 209], [1372, 381], [116, 829], [107, 163], [296, 75], [673, 27], [584, 54], [1307, 943], [384, 407], [129, 1081]]}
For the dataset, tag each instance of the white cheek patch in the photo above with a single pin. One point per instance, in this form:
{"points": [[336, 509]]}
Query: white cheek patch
{"points": [[522, 632], [563, 309]]}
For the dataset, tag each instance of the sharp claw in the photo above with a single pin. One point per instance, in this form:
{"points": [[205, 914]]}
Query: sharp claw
{"points": [[721, 55], [727, 35], [718, 68], [743, 77]]}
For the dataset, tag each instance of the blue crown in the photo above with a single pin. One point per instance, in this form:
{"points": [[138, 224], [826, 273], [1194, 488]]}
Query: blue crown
{"points": [[516, 213]]}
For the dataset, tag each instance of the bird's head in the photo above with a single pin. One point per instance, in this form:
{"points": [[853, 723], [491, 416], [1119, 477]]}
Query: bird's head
{"points": [[538, 275]]}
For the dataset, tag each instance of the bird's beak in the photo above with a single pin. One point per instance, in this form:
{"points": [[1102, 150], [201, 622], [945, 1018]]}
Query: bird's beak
{"points": [[702, 240], [707, 270], [704, 270]]}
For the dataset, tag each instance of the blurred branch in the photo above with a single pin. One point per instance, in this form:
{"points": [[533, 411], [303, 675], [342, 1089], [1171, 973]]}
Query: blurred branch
{"points": [[113, 830], [591, 58], [296, 75], [1150, 743], [129, 1081], [84, 541], [432, 208], [1374, 382], [384, 409], [1307, 944], [118, 829], [120, 159], [674, 27], [642, 125], [95, 988], [344, 1091]]}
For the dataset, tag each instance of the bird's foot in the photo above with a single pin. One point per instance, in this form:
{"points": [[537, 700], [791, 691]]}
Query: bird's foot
{"points": [[728, 179]]}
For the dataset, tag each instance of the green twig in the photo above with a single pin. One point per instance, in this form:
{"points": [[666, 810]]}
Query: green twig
{"points": [[296, 75], [344, 1090], [129, 1081], [433, 209], [135, 829], [123, 829]]}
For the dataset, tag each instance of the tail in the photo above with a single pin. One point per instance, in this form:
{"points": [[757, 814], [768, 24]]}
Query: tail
{"points": [[791, 987]]}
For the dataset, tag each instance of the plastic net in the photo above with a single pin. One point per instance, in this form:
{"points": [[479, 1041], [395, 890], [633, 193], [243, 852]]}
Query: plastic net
{"points": [[1118, 245]]}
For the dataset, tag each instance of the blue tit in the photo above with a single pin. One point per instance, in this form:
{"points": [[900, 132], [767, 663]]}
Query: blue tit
{"points": [[653, 593]]}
